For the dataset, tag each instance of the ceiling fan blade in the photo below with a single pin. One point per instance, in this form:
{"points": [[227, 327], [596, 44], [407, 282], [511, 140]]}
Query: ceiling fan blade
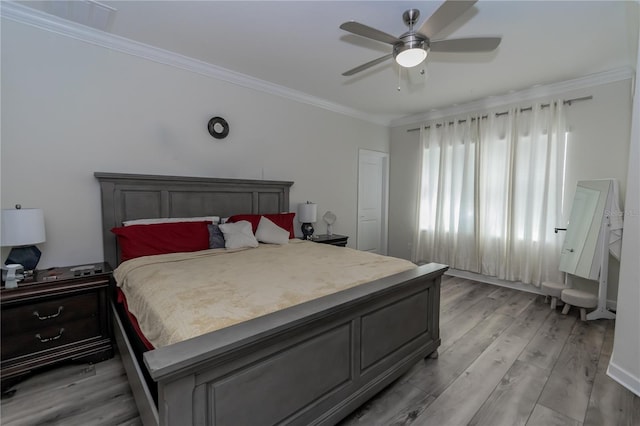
{"points": [[369, 32], [471, 44], [367, 65], [444, 15]]}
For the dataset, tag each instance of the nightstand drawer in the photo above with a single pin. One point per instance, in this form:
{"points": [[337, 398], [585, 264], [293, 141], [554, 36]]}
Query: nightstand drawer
{"points": [[49, 336], [27, 318], [53, 317]]}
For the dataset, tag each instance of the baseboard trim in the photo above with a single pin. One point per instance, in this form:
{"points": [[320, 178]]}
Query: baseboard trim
{"points": [[517, 285], [623, 377], [493, 280]]}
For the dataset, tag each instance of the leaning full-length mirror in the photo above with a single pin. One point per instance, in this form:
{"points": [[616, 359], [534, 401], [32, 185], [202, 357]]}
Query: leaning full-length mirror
{"points": [[581, 253]]}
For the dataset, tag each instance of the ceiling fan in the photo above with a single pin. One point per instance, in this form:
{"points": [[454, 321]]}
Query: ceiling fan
{"points": [[411, 48]]}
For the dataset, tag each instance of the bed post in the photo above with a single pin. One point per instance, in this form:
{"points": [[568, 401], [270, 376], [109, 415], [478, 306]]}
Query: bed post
{"points": [[109, 244]]}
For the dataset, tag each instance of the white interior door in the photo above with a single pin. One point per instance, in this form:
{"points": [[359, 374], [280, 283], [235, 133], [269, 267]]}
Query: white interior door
{"points": [[373, 184]]}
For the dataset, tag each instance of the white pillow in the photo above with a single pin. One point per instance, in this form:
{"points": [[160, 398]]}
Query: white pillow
{"points": [[238, 235], [212, 219], [269, 232]]}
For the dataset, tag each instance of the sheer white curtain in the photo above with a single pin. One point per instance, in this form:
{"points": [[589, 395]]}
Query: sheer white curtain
{"points": [[447, 213], [491, 194]]}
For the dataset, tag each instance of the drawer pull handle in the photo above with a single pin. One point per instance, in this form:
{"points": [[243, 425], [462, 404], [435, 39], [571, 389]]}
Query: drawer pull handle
{"points": [[46, 317], [48, 339]]}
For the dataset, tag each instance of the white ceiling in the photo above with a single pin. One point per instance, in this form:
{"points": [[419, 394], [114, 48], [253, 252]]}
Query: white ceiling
{"points": [[298, 45]]}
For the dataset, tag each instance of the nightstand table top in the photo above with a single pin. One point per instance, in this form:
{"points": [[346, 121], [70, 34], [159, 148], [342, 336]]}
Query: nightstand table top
{"points": [[334, 239], [53, 279]]}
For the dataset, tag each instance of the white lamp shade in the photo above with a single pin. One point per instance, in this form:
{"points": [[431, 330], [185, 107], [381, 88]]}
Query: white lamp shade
{"points": [[307, 212], [22, 227], [411, 57]]}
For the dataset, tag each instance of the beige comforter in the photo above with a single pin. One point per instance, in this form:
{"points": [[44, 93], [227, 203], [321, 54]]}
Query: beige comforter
{"points": [[182, 295]]}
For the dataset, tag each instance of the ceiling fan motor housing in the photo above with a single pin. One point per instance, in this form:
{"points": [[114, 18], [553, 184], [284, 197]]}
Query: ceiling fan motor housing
{"points": [[411, 39]]}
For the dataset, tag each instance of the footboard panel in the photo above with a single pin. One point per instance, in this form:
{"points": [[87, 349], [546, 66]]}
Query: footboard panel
{"points": [[277, 386], [310, 364], [386, 330]]}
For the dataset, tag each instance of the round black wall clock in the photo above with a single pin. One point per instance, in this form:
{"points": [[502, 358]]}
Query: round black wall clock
{"points": [[218, 127]]}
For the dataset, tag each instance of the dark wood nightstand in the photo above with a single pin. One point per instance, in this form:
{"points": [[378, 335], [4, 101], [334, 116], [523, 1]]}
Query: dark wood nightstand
{"points": [[60, 314], [334, 240]]}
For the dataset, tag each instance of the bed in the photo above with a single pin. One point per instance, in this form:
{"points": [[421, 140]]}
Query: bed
{"points": [[311, 363]]}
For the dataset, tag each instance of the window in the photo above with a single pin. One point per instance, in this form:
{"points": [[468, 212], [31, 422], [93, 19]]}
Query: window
{"points": [[491, 193]]}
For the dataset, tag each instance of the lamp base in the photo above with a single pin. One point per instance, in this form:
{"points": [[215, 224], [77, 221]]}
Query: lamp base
{"points": [[27, 256], [307, 231]]}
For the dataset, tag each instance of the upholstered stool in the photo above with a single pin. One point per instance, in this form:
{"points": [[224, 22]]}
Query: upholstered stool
{"points": [[582, 299], [554, 290]]}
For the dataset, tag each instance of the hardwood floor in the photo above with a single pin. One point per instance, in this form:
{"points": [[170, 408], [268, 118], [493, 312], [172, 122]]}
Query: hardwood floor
{"points": [[76, 394], [506, 359]]}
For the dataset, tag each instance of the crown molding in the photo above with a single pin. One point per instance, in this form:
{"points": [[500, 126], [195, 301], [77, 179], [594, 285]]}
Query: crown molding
{"points": [[535, 92], [47, 22]]}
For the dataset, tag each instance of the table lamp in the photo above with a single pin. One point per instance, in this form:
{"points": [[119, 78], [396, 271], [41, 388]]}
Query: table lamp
{"points": [[21, 230], [307, 215]]}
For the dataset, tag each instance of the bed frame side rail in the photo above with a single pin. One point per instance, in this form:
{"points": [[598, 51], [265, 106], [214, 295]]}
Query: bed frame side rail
{"points": [[144, 401]]}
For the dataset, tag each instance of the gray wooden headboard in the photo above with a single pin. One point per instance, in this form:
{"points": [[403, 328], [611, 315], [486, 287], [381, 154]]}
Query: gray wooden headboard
{"points": [[132, 196]]}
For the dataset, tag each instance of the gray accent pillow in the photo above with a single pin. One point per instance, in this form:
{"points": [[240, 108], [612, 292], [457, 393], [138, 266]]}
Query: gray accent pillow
{"points": [[216, 237]]}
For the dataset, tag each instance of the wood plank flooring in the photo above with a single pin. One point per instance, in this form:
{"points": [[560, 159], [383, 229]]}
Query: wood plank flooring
{"points": [[70, 395], [506, 359]]}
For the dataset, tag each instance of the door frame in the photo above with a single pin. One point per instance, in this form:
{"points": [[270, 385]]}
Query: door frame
{"points": [[384, 199]]}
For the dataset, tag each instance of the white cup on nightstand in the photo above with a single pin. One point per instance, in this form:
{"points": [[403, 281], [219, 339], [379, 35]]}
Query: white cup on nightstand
{"points": [[11, 281]]}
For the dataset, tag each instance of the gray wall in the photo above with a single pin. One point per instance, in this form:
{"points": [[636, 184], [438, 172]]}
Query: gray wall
{"points": [[70, 108]]}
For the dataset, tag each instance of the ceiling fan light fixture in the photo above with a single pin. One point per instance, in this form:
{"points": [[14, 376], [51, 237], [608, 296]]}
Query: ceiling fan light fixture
{"points": [[410, 58]]}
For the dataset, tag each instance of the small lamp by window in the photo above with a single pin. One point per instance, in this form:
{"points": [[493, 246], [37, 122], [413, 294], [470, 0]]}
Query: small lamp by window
{"points": [[21, 229], [307, 215]]}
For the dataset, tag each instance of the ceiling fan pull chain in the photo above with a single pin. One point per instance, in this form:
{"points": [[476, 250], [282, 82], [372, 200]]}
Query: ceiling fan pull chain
{"points": [[399, 77]]}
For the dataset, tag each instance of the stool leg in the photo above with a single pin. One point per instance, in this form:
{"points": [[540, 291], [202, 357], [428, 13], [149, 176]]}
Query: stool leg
{"points": [[554, 302], [583, 314], [565, 310]]}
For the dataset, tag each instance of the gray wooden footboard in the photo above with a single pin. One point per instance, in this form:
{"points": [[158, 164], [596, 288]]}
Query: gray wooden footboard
{"points": [[313, 363]]}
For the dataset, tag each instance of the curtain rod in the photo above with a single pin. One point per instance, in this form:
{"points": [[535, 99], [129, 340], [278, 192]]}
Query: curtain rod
{"points": [[567, 102]]}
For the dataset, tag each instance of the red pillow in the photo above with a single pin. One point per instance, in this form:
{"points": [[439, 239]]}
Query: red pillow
{"points": [[161, 238], [283, 220]]}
